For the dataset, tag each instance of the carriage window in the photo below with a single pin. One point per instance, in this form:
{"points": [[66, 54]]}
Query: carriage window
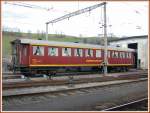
{"points": [[89, 52], [108, 54], [123, 55], [38, 50], [113, 54], [119, 56], [78, 52], [129, 55], [66, 51], [52, 51], [116, 54], [98, 53]]}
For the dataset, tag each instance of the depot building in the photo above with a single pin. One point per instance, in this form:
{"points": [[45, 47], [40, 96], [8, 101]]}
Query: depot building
{"points": [[140, 44]]}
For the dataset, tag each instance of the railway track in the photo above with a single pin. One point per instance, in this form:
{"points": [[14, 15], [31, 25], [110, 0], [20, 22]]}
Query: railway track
{"points": [[63, 93], [18, 75], [79, 80], [65, 88], [127, 105]]}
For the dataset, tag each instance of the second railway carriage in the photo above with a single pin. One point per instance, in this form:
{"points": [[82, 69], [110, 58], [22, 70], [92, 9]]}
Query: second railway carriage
{"points": [[47, 57]]}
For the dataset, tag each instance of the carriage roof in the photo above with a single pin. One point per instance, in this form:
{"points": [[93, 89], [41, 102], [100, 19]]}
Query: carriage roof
{"points": [[70, 44]]}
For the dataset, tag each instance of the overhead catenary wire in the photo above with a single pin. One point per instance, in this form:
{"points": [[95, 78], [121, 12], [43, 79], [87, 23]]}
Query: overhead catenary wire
{"points": [[29, 5], [75, 13]]}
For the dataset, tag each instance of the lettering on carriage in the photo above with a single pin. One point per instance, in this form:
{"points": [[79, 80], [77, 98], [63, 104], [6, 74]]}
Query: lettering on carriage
{"points": [[35, 61], [93, 61]]}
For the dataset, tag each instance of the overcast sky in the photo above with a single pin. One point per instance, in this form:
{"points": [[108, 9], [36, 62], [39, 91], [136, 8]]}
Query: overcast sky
{"points": [[123, 18]]}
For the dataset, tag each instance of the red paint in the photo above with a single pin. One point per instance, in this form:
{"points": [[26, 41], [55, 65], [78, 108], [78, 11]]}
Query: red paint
{"points": [[33, 59]]}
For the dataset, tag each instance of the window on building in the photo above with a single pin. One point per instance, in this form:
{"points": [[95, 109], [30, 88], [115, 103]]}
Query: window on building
{"points": [[38, 50], [52, 51], [98, 53], [78, 52], [89, 53], [66, 51]]}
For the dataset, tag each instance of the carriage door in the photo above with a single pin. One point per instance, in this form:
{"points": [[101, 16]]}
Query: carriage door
{"points": [[24, 57], [15, 54]]}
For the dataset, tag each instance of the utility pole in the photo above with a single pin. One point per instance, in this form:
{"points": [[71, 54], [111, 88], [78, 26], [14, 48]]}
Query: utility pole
{"points": [[105, 41], [46, 31]]}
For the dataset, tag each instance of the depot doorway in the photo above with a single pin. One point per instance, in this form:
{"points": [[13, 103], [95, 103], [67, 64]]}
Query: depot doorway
{"points": [[135, 47]]}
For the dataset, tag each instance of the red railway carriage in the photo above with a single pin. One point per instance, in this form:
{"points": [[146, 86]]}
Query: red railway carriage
{"points": [[40, 56]]}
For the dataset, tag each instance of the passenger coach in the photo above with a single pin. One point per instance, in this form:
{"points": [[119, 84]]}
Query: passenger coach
{"points": [[40, 56]]}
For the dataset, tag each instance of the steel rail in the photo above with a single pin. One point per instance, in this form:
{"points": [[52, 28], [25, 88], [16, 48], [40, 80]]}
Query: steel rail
{"points": [[73, 88], [18, 75], [123, 105], [32, 83]]}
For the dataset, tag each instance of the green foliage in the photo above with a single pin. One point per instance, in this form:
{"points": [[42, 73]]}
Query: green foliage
{"points": [[7, 37]]}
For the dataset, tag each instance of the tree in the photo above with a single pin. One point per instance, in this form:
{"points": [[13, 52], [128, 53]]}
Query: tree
{"points": [[42, 34], [29, 34], [18, 32], [38, 34]]}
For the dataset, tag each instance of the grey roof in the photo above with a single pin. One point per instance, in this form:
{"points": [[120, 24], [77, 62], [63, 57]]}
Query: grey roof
{"points": [[131, 37], [69, 44]]}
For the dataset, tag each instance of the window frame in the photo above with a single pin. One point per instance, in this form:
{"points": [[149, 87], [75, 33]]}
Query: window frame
{"points": [[69, 54], [80, 52], [56, 51], [109, 54], [42, 53], [116, 54], [86, 52], [112, 54], [99, 54], [129, 55]]}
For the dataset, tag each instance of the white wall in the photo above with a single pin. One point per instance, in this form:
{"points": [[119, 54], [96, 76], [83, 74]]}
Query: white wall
{"points": [[142, 49]]}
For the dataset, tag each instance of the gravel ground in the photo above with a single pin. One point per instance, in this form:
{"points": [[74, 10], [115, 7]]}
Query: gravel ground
{"points": [[81, 100]]}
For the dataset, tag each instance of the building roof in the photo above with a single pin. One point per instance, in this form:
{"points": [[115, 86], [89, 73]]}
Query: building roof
{"points": [[69, 44], [129, 38]]}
